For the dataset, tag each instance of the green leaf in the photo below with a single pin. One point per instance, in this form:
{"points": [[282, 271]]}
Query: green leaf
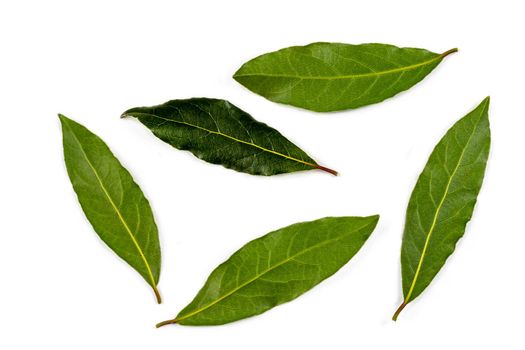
{"points": [[326, 77], [276, 268], [220, 133], [113, 203], [443, 201]]}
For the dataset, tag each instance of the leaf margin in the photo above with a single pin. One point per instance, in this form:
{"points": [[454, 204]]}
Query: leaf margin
{"points": [[66, 123], [371, 224], [134, 112], [484, 105], [438, 58]]}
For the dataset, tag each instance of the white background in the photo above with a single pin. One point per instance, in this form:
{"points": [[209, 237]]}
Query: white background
{"points": [[61, 288]]}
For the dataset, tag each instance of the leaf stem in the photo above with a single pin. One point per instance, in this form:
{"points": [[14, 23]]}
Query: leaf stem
{"points": [[451, 51], [157, 295], [328, 170], [398, 311], [167, 322]]}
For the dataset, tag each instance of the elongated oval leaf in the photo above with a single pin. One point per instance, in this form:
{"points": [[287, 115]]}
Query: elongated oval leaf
{"points": [[220, 133], [276, 268], [113, 203], [443, 201], [327, 77]]}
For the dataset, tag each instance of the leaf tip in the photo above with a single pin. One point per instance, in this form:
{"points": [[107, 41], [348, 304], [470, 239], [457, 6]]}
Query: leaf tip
{"points": [[128, 113], [237, 73], [375, 217], [65, 121]]}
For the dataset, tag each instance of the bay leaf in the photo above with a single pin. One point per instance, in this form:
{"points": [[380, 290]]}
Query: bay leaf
{"points": [[276, 268], [218, 132], [112, 202], [326, 77], [443, 201]]}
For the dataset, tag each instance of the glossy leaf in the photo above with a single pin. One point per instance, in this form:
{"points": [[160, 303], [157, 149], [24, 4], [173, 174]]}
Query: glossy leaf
{"points": [[443, 201], [276, 268], [327, 77], [220, 133], [113, 203]]}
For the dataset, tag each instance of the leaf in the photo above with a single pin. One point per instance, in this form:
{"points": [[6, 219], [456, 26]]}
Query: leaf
{"points": [[326, 77], [113, 203], [443, 201], [276, 268], [220, 133]]}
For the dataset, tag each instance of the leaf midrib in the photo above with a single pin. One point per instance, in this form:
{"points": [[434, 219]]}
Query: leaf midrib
{"points": [[257, 276], [119, 215], [231, 138], [343, 77], [438, 209]]}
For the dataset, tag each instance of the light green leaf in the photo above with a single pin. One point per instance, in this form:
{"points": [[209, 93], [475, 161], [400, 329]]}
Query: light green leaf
{"points": [[327, 77], [220, 133], [113, 203], [276, 268], [443, 201]]}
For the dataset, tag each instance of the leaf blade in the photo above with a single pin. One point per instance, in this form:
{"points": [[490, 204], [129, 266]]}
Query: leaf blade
{"points": [[454, 176], [325, 77], [276, 268], [98, 179], [218, 132]]}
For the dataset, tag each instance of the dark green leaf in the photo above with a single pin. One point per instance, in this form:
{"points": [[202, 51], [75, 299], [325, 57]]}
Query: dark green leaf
{"points": [[276, 268], [443, 201], [220, 133], [327, 77], [113, 203]]}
